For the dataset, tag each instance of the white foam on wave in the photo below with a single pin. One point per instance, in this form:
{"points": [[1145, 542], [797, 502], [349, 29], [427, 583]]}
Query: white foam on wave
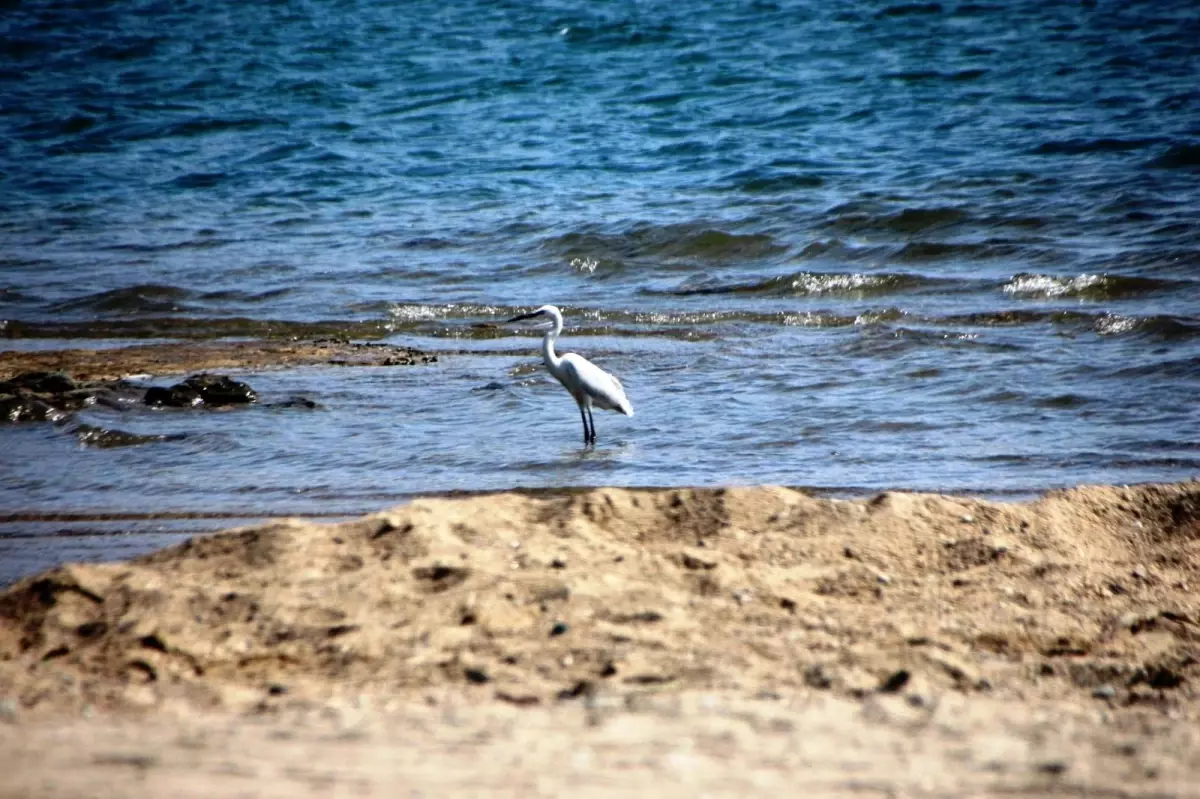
{"points": [[1112, 324], [1050, 286], [809, 319], [414, 313], [823, 284]]}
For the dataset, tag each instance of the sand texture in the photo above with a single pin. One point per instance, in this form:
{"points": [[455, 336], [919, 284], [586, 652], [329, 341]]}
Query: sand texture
{"points": [[676, 641]]}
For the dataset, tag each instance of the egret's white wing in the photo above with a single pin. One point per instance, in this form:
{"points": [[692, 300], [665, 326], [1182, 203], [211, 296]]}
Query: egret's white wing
{"points": [[582, 377]]}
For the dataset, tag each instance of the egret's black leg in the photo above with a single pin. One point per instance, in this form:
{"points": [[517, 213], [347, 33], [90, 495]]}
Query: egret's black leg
{"points": [[587, 435], [592, 419]]}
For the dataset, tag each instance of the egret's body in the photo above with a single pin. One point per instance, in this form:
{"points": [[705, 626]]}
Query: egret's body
{"points": [[587, 383]]}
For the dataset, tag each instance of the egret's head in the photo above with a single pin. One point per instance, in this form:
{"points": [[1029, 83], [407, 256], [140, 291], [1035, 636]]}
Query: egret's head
{"points": [[547, 315]]}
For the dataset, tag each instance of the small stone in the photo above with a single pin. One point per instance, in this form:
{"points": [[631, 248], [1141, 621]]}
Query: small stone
{"points": [[558, 563], [477, 676], [895, 681], [883, 578], [8, 710], [1164, 679], [582, 688], [815, 676], [966, 518], [520, 700], [694, 563], [559, 628], [1104, 692]]}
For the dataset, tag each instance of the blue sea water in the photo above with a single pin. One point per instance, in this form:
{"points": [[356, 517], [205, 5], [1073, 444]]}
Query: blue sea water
{"points": [[852, 246]]}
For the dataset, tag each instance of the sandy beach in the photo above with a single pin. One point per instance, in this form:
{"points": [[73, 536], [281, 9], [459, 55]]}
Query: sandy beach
{"points": [[600, 641]]}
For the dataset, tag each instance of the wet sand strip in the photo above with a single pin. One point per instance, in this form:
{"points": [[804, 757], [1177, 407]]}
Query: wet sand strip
{"points": [[198, 356]]}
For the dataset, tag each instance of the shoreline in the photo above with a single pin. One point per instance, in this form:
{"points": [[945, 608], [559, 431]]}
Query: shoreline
{"points": [[681, 640]]}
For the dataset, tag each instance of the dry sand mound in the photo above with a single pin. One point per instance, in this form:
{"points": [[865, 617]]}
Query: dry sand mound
{"points": [[1085, 595]]}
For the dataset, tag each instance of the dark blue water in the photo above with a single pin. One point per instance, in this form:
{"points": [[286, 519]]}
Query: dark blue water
{"points": [[945, 246]]}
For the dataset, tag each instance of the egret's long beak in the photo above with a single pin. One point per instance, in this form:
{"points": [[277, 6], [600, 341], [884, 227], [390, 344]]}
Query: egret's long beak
{"points": [[523, 317]]}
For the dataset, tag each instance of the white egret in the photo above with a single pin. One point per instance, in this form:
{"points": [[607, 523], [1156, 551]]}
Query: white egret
{"points": [[588, 384]]}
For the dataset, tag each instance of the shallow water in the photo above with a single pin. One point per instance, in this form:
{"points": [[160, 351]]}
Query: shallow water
{"points": [[932, 246]]}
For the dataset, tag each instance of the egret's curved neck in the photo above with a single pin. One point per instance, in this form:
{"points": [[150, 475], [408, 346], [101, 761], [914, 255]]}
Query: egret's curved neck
{"points": [[548, 354]]}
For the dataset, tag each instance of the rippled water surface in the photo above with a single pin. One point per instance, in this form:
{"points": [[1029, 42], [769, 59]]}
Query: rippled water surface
{"points": [[852, 246]]}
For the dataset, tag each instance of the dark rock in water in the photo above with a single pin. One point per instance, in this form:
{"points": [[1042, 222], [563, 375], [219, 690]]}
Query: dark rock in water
{"points": [[40, 383], [115, 396], [105, 438], [42, 396], [177, 396], [202, 389], [221, 390], [24, 408], [297, 402], [38, 396]]}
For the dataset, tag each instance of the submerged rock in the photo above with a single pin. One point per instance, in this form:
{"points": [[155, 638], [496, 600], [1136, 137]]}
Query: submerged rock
{"points": [[297, 402], [24, 408], [202, 389], [40, 383], [39, 396], [108, 438]]}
